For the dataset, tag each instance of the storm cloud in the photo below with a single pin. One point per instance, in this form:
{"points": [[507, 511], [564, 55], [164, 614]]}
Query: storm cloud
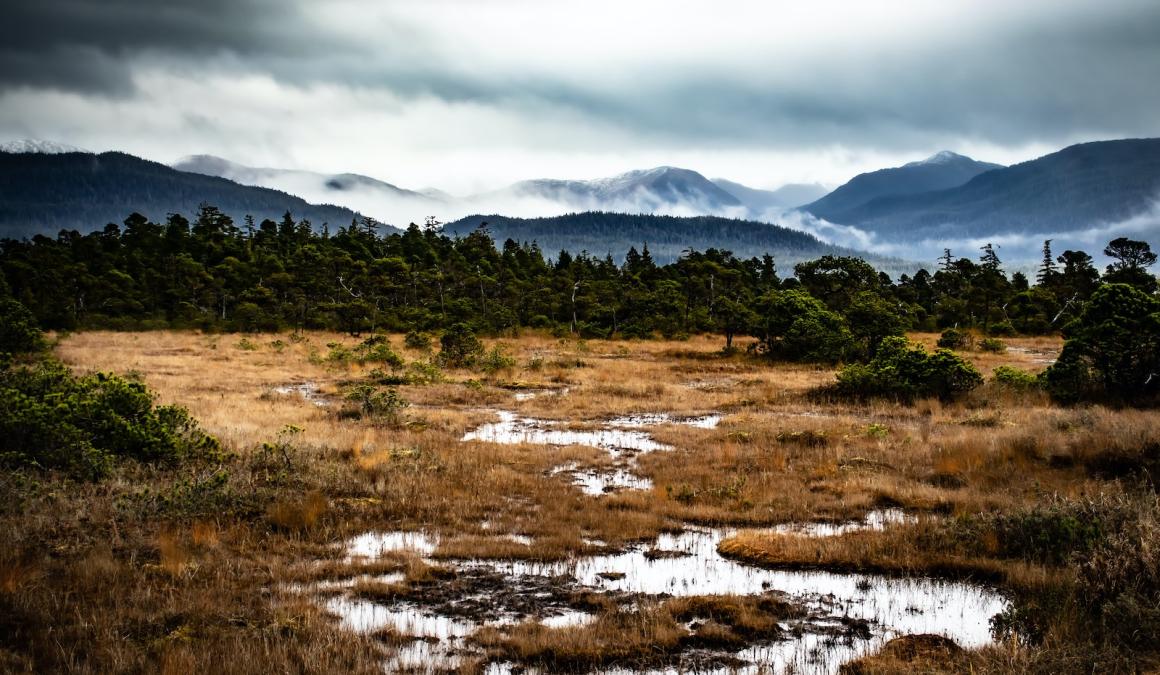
{"points": [[471, 95]]}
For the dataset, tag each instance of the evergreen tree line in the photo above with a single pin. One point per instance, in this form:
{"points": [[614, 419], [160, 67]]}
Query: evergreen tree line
{"points": [[216, 274]]}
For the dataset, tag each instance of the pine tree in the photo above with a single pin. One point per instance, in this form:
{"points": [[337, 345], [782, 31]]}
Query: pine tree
{"points": [[1047, 269], [945, 260]]}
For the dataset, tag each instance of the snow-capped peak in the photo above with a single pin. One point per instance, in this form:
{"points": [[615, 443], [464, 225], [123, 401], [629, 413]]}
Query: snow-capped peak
{"points": [[942, 157], [32, 146]]}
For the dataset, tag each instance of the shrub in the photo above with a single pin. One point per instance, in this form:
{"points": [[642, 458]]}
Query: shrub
{"points": [[992, 345], [496, 360], [370, 401], [1003, 328], [906, 371], [1052, 533], [19, 333], [51, 419], [377, 349], [417, 340], [953, 338], [338, 353], [1015, 378], [459, 348], [424, 372], [247, 345]]}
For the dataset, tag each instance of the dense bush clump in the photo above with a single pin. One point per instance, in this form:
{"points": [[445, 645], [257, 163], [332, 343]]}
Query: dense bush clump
{"points": [[1015, 378], [19, 332], [417, 340], [459, 348], [52, 419], [370, 401], [992, 345], [953, 338], [906, 371], [377, 349]]}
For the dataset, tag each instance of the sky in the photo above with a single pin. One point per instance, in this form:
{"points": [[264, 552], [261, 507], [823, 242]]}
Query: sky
{"points": [[471, 96]]}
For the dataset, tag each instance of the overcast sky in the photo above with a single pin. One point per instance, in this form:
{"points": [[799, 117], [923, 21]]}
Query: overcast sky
{"points": [[468, 96]]}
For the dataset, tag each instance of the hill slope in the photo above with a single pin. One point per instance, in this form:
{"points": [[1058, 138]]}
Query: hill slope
{"points": [[937, 172], [1073, 189], [601, 233], [44, 193]]}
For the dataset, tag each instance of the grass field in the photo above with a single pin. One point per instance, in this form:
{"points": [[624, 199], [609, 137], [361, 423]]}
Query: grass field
{"points": [[202, 568]]}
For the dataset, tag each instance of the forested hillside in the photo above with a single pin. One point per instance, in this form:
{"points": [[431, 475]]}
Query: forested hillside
{"points": [[668, 237], [44, 193]]}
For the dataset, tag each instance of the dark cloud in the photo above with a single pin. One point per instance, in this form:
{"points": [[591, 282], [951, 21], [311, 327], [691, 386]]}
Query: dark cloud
{"points": [[1037, 74], [89, 45]]}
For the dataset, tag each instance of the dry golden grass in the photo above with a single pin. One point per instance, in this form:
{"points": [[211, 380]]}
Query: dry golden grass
{"points": [[645, 636], [152, 594], [901, 550], [777, 455]]}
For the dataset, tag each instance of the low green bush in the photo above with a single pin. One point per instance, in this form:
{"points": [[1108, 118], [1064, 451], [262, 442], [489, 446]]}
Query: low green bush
{"points": [[52, 419], [1015, 378], [495, 360], [19, 332], [377, 349], [992, 345], [907, 371], [953, 338], [370, 401], [417, 340], [459, 348]]}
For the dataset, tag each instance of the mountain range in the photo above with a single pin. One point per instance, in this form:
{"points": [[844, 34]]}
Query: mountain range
{"points": [[937, 172], [45, 192], [1085, 186], [1082, 196], [665, 189]]}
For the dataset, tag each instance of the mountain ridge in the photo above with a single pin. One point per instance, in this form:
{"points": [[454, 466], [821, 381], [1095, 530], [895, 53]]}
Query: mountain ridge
{"points": [[1079, 186], [940, 171], [45, 193]]}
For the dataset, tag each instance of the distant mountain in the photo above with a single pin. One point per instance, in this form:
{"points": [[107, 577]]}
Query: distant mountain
{"points": [[664, 189], [937, 172], [32, 146], [1074, 189], [602, 233], [785, 197], [372, 196], [44, 193]]}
